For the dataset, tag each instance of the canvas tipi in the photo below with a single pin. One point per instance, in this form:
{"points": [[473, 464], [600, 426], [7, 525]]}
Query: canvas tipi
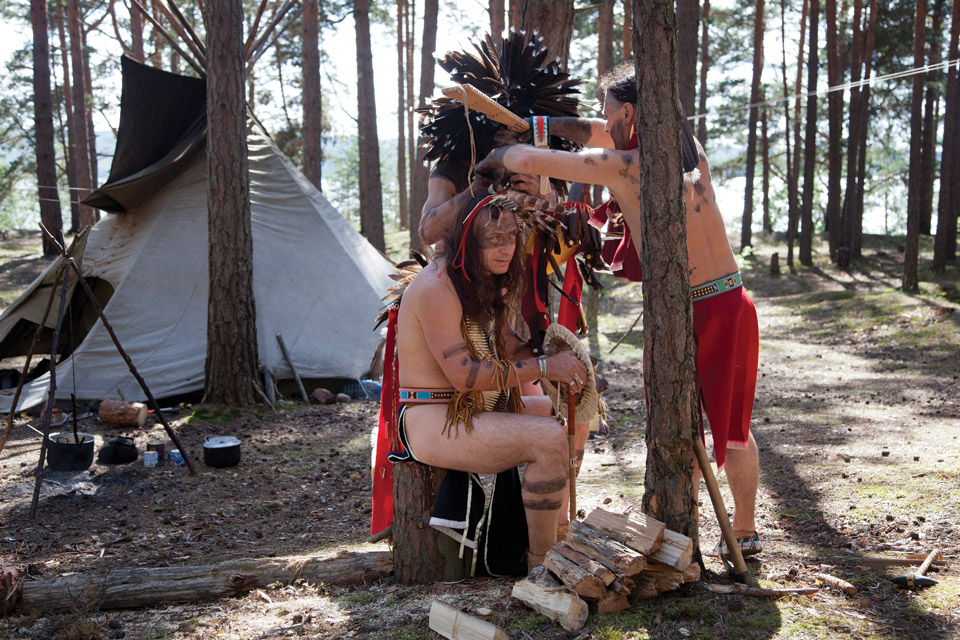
{"points": [[316, 280]]}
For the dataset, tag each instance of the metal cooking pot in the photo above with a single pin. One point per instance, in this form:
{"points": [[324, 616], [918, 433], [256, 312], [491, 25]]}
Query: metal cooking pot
{"points": [[221, 451]]}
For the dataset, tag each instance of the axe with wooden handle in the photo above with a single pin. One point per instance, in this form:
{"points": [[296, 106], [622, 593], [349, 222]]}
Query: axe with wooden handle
{"points": [[917, 579]]}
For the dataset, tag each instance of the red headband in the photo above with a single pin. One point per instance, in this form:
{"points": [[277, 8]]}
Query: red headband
{"points": [[466, 229]]}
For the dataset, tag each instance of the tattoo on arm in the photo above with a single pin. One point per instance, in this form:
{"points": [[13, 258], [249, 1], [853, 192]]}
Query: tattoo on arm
{"points": [[544, 486], [472, 376], [455, 350]]}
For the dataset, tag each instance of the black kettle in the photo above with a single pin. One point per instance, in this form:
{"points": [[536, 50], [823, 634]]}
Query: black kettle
{"points": [[120, 450]]}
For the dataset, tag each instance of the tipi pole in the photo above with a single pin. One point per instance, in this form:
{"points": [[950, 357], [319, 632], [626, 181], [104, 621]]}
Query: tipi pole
{"points": [[33, 345], [179, 30], [253, 30], [51, 394], [163, 32], [123, 354], [187, 27]]}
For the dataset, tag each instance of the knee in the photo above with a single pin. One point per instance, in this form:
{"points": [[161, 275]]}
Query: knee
{"points": [[553, 448]]}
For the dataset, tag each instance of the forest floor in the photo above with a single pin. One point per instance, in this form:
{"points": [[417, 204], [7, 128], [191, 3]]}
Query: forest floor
{"points": [[857, 419]]}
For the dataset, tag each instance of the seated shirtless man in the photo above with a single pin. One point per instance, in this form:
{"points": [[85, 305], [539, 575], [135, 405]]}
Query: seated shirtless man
{"points": [[461, 366]]}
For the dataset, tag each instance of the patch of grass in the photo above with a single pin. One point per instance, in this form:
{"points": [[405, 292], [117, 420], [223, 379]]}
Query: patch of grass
{"points": [[189, 625], [213, 415], [621, 626], [160, 633], [531, 623], [686, 610], [358, 599]]}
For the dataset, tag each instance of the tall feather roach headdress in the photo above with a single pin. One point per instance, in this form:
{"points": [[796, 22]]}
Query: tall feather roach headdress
{"points": [[519, 75]]}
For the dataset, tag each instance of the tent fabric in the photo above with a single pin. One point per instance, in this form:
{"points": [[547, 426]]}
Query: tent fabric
{"points": [[316, 281]]}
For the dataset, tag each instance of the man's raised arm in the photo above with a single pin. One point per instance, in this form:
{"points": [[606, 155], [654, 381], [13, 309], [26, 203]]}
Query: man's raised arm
{"points": [[441, 204], [587, 131]]}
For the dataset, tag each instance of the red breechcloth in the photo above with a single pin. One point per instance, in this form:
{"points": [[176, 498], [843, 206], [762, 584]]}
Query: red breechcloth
{"points": [[728, 348], [387, 435]]}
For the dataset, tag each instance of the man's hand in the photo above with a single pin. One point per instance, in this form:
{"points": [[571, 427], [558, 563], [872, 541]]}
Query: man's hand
{"points": [[491, 168], [566, 368], [524, 183]]}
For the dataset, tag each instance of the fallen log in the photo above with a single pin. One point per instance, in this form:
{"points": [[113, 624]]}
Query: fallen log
{"points": [[758, 591], [548, 597], [134, 588], [635, 530], [118, 413]]}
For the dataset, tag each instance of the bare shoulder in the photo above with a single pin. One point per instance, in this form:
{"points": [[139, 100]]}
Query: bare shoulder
{"points": [[432, 286]]}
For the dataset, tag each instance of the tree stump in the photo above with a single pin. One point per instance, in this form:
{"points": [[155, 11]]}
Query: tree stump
{"points": [[421, 554], [118, 413], [775, 265]]}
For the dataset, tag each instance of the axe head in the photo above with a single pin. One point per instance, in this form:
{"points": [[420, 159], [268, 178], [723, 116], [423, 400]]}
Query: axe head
{"points": [[913, 581]]}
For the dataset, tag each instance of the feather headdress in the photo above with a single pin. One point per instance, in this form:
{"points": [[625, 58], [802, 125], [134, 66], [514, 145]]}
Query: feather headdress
{"points": [[519, 74]]}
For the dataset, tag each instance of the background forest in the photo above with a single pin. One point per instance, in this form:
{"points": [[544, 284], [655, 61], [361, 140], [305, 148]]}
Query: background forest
{"points": [[859, 157]]}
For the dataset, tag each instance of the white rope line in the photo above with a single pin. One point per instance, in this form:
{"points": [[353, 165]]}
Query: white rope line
{"points": [[840, 87]]}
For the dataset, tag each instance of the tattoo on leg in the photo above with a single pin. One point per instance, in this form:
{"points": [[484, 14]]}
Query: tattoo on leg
{"points": [[541, 505], [456, 350], [544, 486]]}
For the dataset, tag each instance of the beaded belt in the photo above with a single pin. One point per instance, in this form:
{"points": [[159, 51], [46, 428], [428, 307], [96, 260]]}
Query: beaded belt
{"points": [[437, 396], [716, 287]]}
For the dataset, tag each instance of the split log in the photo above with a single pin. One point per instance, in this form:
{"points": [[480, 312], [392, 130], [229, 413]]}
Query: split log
{"points": [[454, 624], [620, 558], [555, 602], [119, 413], [622, 585], [612, 602], [587, 563], [584, 583], [758, 591], [676, 550], [635, 530], [133, 588], [837, 583], [657, 579], [691, 573]]}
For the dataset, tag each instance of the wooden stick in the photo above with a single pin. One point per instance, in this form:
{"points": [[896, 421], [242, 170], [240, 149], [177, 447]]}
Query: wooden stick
{"points": [[267, 30], [188, 27], [842, 585], [892, 562], [286, 356], [733, 548], [253, 30], [759, 591], [479, 101], [159, 27], [179, 30], [572, 444]]}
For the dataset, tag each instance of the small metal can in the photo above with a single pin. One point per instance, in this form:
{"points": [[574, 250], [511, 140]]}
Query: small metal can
{"points": [[176, 460], [149, 458], [158, 447]]}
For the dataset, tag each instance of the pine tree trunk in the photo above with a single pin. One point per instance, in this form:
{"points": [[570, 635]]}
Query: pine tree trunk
{"points": [[420, 173], [765, 158], [401, 118], [688, 35], [312, 101], [605, 37], [848, 213], [371, 197], [746, 228], [71, 142], [704, 66], [835, 120], [410, 40], [80, 152], [497, 16], [417, 557], [231, 365], [863, 119], [668, 347], [91, 132], [43, 123], [810, 144], [554, 20], [136, 33], [156, 56], [928, 150], [788, 156], [627, 48], [910, 282], [514, 11], [793, 220], [943, 251]]}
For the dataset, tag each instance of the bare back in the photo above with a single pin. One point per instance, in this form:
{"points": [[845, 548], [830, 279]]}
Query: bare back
{"points": [[430, 292]]}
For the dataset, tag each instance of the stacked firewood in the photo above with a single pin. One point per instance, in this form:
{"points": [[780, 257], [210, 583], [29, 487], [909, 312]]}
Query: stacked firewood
{"points": [[606, 563]]}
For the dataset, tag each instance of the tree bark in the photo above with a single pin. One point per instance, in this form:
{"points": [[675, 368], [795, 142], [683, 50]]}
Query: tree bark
{"points": [[835, 120], [71, 142], [371, 198], [944, 249], [81, 151], [910, 283], [514, 12], [43, 124], [497, 16], [231, 365], [755, 97], [417, 558], [401, 117], [848, 210], [605, 37], [420, 173], [810, 144], [554, 20], [765, 159], [791, 205], [704, 66], [409, 41], [312, 101], [928, 150], [668, 347], [136, 33], [91, 131], [793, 215], [688, 35], [627, 47], [863, 119], [145, 587]]}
